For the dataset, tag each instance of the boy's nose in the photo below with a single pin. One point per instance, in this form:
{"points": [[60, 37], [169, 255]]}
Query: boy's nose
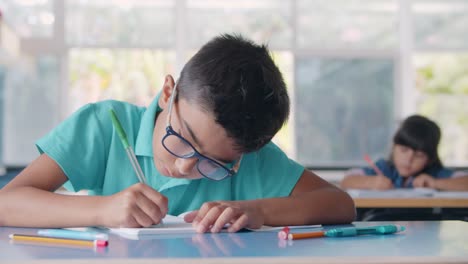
{"points": [[185, 166]]}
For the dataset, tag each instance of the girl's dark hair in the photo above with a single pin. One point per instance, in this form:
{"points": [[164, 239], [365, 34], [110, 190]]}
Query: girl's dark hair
{"points": [[237, 81], [421, 134]]}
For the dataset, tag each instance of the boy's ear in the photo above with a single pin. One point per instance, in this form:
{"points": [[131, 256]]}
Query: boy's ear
{"points": [[166, 92]]}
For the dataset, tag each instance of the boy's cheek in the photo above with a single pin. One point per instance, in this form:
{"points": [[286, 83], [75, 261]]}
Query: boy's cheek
{"points": [[193, 175], [160, 166]]}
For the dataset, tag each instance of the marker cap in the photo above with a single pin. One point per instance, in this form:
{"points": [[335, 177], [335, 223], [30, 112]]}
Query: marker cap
{"points": [[101, 243]]}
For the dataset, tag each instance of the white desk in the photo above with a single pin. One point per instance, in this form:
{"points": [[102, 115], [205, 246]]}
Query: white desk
{"points": [[422, 242]]}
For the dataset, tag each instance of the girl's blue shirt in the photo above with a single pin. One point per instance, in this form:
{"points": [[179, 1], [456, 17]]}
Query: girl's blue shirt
{"points": [[390, 171]]}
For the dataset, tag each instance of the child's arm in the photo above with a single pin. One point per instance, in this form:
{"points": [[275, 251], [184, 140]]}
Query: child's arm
{"points": [[312, 201], [29, 200], [360, 181], [459, 183], [453, 184]]}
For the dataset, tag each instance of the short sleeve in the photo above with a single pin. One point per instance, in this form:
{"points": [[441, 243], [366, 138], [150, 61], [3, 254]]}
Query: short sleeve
{"points": [[277, 174], [443, 173], [79, 147], [368, 171]]}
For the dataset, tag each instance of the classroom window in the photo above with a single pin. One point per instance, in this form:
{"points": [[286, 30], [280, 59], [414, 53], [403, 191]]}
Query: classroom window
{"points": [[354, 68], [31, 89], [441, 73], [3, 70], [346, 24], [442, 85], [344, 109], [440, 24], [262, 20], [31, 18], [120, 23], [129, 75]]}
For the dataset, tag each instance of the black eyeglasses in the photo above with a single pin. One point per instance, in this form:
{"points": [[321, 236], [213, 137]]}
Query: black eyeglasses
{"points": [[178, 146]]}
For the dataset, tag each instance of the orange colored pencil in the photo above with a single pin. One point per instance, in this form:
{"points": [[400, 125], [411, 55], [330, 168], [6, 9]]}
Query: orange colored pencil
{"points": [[306, 235], [43, 239]]}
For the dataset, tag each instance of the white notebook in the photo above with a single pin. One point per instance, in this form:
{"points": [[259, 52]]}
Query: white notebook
{"points": [[176, 225], [406, 193], [393, 193], [170, 225]]}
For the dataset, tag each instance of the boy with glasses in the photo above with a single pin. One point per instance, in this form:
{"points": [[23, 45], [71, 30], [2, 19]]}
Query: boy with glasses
{"points": [[203, 145]]}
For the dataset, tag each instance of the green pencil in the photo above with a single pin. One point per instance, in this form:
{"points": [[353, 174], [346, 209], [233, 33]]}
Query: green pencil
{"points": [[130, 153]]}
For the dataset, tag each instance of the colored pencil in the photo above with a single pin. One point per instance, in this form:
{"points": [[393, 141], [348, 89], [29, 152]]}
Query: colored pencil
{"points": [[295, 236], [52, 240], [73, 234], [372, 164]]}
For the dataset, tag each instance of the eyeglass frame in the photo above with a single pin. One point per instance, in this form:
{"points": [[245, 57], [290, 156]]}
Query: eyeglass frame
{"points": [[196, 154]]}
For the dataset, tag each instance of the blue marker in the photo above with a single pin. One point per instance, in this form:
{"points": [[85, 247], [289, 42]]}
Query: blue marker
{"points": [[343, 232], [72, 234], [371, 230]]}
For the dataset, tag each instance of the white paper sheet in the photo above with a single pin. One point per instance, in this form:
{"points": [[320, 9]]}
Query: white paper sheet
{"points": [[405, 193], [176, 225], [170, 225]]}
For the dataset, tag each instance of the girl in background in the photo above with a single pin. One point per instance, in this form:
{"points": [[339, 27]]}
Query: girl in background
{"points": [[413, 162]]}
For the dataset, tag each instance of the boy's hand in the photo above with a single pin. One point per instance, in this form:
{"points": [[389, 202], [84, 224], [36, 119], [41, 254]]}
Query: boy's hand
{"points": [[380, 182], [214, 216], [424, 180], [137, 206]]}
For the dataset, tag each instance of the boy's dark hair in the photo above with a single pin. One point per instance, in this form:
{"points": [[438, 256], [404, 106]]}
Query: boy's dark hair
{"points": [[239, 83], [421, 134]]}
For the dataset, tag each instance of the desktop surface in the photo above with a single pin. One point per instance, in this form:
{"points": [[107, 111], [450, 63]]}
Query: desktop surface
{"points": [[422, 241]]}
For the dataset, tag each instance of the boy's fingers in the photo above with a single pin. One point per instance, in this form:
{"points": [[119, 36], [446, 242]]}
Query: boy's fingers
{"points": [[189, 217], [240, 223], [228, 215], [156, 197], [149, 208], [209, 219], [142, 218], [202, 212]]}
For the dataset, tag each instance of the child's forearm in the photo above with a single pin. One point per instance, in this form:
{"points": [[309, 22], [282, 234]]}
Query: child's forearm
{"points": [[452, 184], [31, 207], [357, 182], [322, 206]]}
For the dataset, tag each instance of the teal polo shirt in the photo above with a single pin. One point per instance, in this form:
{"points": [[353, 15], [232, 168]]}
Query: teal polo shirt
{"points": [[87, 148]]}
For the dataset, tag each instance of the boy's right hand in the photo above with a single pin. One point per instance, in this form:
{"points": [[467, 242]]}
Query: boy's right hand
{"points": [[380, 182], [137, 206]]}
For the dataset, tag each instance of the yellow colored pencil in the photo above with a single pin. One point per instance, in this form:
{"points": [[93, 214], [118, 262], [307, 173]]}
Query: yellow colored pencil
{"points": [[54, 240]]}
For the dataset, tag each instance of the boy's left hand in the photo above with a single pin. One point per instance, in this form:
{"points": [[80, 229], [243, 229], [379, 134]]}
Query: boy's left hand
{"points": [[424, 180], [214, 216]]}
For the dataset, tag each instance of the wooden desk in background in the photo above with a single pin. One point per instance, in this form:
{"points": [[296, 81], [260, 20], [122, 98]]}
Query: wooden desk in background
{"points": [[417, 202]]}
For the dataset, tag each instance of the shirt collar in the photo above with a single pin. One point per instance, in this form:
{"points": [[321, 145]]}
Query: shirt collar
{"points": [[144, 146]]}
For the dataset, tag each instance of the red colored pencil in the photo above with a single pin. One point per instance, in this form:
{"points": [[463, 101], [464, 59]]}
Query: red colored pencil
{"points": [[372, 164]]}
